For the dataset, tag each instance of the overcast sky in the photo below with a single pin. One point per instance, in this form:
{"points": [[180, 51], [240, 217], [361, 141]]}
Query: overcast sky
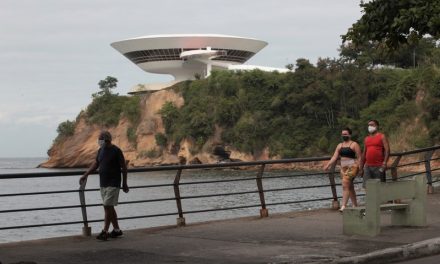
{"points": [[54, 52]]}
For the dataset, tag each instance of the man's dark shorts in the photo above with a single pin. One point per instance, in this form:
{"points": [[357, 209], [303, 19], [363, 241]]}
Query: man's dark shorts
{"points": [[371, 172]]}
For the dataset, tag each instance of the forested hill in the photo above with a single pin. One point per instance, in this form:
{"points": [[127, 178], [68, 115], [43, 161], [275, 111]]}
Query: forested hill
{"points": [[301, 113], [258, 115]]}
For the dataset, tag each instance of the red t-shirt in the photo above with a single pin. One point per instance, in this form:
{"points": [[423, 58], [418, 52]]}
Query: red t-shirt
{"points": [[374, 155]]}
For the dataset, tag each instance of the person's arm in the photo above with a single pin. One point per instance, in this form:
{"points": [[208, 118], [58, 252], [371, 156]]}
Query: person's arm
{"points": [[357, 150], [124, 173], [92, 168], [362, 162], [334, 158], [386, 148]]}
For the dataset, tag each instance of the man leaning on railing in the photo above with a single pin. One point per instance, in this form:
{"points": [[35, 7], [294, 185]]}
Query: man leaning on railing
{"points": [[111, 162]]}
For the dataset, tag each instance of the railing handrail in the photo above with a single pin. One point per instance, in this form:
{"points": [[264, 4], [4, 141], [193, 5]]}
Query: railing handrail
{"points": [[260, 169], [199, 166], [168, 167], [409, 152]]}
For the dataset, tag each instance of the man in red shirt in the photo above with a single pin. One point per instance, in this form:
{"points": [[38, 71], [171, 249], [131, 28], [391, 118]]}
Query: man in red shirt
{"points": [[376, 154]]}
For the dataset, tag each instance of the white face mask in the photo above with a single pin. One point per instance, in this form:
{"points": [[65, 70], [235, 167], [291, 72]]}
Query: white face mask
{"points": [[101, 142], [372, 129]]}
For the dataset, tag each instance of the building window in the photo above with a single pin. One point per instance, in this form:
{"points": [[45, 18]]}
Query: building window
{"points": [[142, 56]]}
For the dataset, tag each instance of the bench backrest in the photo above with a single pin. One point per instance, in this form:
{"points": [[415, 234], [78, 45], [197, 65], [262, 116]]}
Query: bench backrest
{"points": [[412, 211], [412, 192], [381, 192]]}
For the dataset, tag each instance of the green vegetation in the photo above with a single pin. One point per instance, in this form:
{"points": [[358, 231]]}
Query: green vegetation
{"points": [[131, 136], [422, 53], [301, 113], [106, 85], [152, 154], [396, 22], [65, 129], [161, 139], [107, 108]]}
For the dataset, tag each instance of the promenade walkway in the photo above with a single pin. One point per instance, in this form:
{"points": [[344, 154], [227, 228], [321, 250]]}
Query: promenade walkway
{"points": [[301, 237]]}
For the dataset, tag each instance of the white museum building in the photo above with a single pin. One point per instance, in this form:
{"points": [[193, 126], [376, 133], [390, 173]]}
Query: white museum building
{"points": [[189, 56]]}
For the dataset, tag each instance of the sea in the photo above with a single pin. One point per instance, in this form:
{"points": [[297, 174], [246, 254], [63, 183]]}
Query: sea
{"points": [[29, 165]]}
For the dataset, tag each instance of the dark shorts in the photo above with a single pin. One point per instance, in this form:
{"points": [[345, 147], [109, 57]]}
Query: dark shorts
{"points": [[371, 172]]}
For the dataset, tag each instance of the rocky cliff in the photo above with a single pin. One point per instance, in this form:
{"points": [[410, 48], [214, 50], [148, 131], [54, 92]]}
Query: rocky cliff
{"points": [[79, 150]]}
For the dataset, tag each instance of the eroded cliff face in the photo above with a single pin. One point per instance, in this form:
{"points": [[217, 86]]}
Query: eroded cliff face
{"points": [[80, 149]]}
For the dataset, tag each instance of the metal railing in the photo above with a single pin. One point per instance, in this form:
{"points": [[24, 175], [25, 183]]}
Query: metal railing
{"points": [[259, 178]]}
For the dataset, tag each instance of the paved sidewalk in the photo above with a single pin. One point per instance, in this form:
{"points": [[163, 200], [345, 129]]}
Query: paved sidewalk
{"points": [[302, 237]]}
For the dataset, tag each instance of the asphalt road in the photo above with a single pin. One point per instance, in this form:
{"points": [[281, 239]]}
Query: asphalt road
{"points": [[428, 260]]}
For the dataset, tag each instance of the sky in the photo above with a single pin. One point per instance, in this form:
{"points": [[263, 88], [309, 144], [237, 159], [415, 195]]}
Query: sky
{"points": [[53, 53]]}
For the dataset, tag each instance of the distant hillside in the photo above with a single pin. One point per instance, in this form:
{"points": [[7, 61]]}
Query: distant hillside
{"points": [[258, 115], [301, 114]]}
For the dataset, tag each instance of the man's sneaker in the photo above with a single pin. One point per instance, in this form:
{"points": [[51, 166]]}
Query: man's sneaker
{"points": [[116, 233], [103, 235]]}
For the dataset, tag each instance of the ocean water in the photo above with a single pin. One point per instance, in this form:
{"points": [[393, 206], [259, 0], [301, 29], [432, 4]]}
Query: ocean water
{"points": [[21, 165], [26, 165]]}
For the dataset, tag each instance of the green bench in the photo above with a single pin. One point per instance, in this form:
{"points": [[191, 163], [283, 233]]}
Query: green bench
{"points": [[365, 220]]}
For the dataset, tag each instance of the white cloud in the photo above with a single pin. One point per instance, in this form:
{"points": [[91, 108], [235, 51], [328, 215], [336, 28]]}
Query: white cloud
{"points": [[35, 114], [3, 117]]}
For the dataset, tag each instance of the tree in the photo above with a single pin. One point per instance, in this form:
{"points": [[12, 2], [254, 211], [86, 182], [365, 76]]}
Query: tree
{"points": [[106, 85], [66, 128], [395, 22], [377, 53], [290, 66]]}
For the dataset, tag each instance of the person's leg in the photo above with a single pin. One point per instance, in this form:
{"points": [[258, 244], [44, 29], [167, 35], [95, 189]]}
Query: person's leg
{"points": [[112, 200], [107, 217], [367, 176], [377, 173], [104, 196], [352, 194], [114, 219], [345, 191], [352, 172], [380, 174], [345, 188]]}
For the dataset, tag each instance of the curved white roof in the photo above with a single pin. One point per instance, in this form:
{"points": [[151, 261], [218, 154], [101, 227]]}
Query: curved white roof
{"points": [[188, 41], [186, 56]]}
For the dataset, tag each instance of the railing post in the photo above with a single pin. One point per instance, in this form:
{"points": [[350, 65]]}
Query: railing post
{"points": [[264, 212], [428, 157], [394, 168], [181, 219], [331, 177], [86, 230], [394, 175]]}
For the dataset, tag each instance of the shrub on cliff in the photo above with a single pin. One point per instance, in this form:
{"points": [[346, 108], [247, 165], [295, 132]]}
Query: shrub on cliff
{"points": [[161, 139], [107, 108], [65, 129]]}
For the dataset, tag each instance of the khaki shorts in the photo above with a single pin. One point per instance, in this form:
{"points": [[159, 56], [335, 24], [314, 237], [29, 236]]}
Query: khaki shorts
{"points": [[110, 196]]}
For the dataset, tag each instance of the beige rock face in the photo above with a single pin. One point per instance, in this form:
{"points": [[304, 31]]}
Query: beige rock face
{"points": [[80, 149]]}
